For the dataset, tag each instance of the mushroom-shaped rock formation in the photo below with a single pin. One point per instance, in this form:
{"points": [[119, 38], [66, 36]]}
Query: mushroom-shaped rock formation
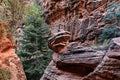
{"points": [[84, 19], [59, 41], [82, 63]]}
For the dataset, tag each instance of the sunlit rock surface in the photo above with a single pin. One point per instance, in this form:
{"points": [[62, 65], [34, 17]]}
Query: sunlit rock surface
{"points": [[84, 19], [9, 60], [59, 41], [86, 63]]}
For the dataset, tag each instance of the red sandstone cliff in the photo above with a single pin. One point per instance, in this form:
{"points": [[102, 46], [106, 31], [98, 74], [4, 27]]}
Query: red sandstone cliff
{"points": [[9, 61], [84, 19], [82, 63]]}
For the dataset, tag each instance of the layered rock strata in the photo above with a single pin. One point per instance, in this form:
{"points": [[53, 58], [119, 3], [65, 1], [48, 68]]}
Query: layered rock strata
{"points": [[84, 19], [86, 63]]}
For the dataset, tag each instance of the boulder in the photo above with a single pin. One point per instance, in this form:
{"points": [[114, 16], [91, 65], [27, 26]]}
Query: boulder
{"points": [[59, 41], [114, 48]]}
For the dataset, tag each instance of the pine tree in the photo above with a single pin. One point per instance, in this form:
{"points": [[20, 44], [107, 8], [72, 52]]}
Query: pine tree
{"points": [[34, 52]]}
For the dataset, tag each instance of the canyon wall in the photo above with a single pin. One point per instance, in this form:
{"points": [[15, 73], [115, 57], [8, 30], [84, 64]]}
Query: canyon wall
{"points": [[84, 19], [10, 64], [82, 63]]}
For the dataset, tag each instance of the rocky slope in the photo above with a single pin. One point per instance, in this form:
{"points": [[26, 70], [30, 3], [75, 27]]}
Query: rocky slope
{"points": [[10, 65]]}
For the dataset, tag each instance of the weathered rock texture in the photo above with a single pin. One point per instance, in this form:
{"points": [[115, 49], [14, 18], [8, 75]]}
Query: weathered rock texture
{"points": [[84, 19], [109, 68], [9, 60], [59, 41], [85, 63]]}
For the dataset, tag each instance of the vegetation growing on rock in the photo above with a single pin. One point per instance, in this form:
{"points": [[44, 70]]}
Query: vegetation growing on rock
{"points": [[109, 33], [112, 18], [11, 13], [5, 74]]}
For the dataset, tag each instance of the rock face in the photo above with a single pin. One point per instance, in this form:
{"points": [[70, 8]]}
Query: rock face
{"points": [[84, 19], [109, 68], [86, 63], [9, 61], [59, 41]]}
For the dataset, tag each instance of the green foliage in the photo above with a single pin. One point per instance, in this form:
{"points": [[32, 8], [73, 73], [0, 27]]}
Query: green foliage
{"points": [[113, 4], [34, 52], [32, 11], [113, 12], [112, 17], [11, 13], [5, 75], [109, 33]]}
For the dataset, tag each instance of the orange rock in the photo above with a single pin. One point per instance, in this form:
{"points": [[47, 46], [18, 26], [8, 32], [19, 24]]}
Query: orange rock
{"points": [[10, 61], [59, 41], [5, 44], [76, 16]]}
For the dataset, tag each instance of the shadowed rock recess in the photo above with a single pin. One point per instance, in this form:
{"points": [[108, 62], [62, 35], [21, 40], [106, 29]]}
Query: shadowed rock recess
{"points": [[81, 22], [85, 63]]}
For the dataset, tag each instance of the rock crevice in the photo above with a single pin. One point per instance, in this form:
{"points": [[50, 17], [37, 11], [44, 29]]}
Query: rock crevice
{"points": [[73, 59], [85, 63]]}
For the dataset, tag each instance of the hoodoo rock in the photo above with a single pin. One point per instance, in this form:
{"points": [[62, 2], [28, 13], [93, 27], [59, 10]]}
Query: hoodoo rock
{"points": [[59, 41], [80, 63], [85, 20]]}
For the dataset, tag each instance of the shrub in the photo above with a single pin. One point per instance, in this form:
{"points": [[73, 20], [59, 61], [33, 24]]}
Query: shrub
{"points": [[112, 17], [109, 33], [5, 75], [113, 12]]}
